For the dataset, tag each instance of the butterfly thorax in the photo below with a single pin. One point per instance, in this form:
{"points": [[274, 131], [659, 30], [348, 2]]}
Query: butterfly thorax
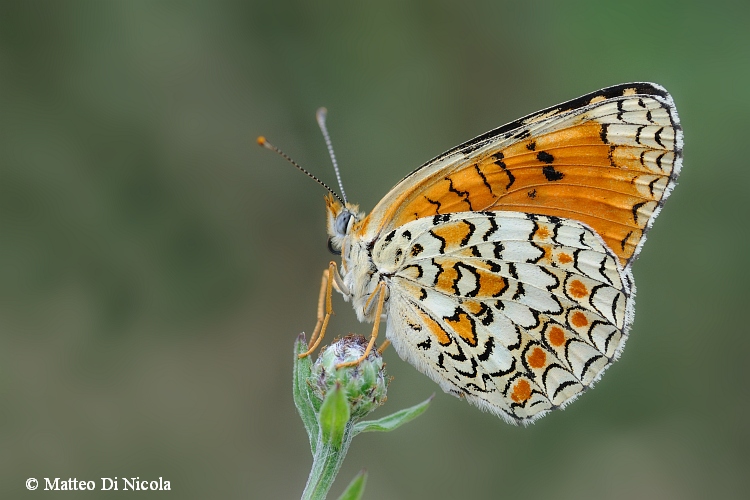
{"points": [[346, 233], [361, 276]]}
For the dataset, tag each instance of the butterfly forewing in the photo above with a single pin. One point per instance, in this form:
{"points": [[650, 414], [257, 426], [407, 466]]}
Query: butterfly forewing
{"points": [[516, 312], [608, 159]]}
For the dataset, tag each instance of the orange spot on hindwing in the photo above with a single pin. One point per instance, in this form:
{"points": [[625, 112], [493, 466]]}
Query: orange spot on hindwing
{"points": [[542, 233], [447, 276], [464, 326], [579, 319], [453, 234], [435, 328], [556, 336], [521, 391], [474, 307], [578, 289], [537, 358], [491, 285]]}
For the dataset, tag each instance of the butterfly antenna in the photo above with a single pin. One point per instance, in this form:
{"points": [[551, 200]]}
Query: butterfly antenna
{"points": [[321, 116], [264, 143]]}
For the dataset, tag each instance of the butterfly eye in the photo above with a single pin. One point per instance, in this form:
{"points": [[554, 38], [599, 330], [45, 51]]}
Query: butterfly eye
{"points": [[331, 249], [342, 222]]}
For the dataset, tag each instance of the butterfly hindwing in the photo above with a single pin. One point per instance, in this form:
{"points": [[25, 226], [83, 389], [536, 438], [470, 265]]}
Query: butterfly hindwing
{"points": [[516, 312]]}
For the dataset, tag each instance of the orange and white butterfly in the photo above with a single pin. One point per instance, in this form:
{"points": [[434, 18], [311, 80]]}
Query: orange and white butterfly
{"points": [[503, 266]]}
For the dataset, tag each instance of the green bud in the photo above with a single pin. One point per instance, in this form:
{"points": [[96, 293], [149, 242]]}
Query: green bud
{"points": [[334, 418], [364, 385]]}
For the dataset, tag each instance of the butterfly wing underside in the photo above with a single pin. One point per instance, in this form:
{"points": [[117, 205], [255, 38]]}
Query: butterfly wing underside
{"points": [[608, 159], [516, 312]]}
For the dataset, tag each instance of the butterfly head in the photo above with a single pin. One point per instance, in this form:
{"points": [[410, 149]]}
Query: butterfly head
{"points": [[340, 218]]}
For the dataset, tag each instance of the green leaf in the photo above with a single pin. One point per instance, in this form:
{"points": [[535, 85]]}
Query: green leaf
{"points": [[392, 421], [334, 416], [356, 488], [301, 393]]}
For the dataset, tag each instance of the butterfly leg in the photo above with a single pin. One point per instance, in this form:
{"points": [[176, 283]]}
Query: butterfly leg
{"points": [[384, 346], [322, 304], [380, 293], [325, 309]]}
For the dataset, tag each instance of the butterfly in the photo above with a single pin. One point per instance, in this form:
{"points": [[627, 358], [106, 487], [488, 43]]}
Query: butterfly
{"points": [[502, 267]]}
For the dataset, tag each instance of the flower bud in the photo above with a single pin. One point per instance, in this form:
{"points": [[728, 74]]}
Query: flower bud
{"points": [[364, 384]]}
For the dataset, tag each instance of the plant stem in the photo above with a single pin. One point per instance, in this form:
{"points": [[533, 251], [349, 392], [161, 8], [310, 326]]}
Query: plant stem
{"points": [[327, 461]]}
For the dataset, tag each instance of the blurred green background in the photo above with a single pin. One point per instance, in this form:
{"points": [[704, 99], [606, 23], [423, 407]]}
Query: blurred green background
{"points": [[156, 265]]}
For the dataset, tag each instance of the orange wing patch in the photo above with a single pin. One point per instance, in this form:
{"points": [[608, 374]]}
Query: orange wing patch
{"points": [[556, 336], [587, 172], [454, 235], [447, 277], [521, 391], [434, 327], [537, 358], [579, 319], [463, 324], [578, 289], [468, 189], [490, 284]]}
